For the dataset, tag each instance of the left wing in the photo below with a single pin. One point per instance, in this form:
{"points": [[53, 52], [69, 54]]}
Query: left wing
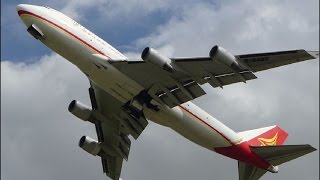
{"points": [[176, 80], [114, 123]]}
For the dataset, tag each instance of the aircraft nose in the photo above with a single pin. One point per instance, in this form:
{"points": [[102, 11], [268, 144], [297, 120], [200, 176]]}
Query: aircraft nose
{"points": [[22, 7], [27, 9]]}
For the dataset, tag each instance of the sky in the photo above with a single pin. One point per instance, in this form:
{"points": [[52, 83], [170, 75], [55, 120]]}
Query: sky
{"points": [[39, 136]]}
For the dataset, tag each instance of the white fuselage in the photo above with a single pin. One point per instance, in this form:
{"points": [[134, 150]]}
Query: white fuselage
{"points": [[78, 45]]}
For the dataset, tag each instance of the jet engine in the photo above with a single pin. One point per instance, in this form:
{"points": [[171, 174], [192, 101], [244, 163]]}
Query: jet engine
{"points": [[150, 55], [90, 145], [80, 110], [35, 31], [220, 54]]}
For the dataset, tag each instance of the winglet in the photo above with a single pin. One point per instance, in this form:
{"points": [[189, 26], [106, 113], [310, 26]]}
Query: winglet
{"points": [[315, 54]]}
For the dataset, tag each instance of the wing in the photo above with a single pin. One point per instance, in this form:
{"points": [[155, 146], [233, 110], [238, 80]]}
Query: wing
{"points": [[174, 88], [114, 123], [264, 61]]}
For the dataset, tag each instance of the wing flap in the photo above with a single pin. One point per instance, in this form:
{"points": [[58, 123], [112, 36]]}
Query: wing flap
{"points": [[177, 94], [105, 167], [231, 78], [99, 131]]}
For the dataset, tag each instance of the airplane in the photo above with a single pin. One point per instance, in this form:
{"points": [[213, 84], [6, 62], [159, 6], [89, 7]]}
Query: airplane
{"points": [[125, 94]]}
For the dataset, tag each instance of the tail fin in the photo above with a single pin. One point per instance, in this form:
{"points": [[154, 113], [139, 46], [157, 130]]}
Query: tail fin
{"points": [[275, 155], [267, 136]]}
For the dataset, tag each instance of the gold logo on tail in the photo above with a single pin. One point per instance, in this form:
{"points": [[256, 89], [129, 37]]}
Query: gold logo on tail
{"points": [[269, 142]]}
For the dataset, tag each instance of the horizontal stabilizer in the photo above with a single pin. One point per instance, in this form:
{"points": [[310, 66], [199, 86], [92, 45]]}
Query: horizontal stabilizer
{"points": [[275, 155]]}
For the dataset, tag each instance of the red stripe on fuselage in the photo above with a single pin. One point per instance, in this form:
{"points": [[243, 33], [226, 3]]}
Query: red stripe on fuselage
{"points": [[21, 12], [222, 135]]}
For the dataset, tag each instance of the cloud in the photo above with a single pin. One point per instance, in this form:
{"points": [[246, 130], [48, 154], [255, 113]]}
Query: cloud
{"points": [[39, 135], [130, 10], [36, 126], [112, 10], [240, 26]]}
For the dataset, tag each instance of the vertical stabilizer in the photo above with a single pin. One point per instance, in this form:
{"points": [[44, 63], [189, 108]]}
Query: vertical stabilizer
{"points": [[267, 136]]}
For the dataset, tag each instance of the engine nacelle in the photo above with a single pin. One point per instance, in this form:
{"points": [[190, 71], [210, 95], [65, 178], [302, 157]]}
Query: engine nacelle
{"points": [[35, 31], [90, 145], [220, 54], [150, 55], [80, 110]]}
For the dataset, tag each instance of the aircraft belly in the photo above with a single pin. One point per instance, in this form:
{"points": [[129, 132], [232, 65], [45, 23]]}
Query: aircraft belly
{"points": [[206, 132]]}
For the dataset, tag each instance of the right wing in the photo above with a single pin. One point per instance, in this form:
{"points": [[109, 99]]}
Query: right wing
{"points": [[174, 88]]}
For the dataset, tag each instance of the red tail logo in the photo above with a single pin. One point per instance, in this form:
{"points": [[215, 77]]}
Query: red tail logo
{"points": [[269, 141], [272, 137]]}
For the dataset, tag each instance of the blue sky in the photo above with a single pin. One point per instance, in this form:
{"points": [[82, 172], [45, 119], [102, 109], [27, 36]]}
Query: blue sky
{"points": [[39, 136], [18, 45], [122, 30]]}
